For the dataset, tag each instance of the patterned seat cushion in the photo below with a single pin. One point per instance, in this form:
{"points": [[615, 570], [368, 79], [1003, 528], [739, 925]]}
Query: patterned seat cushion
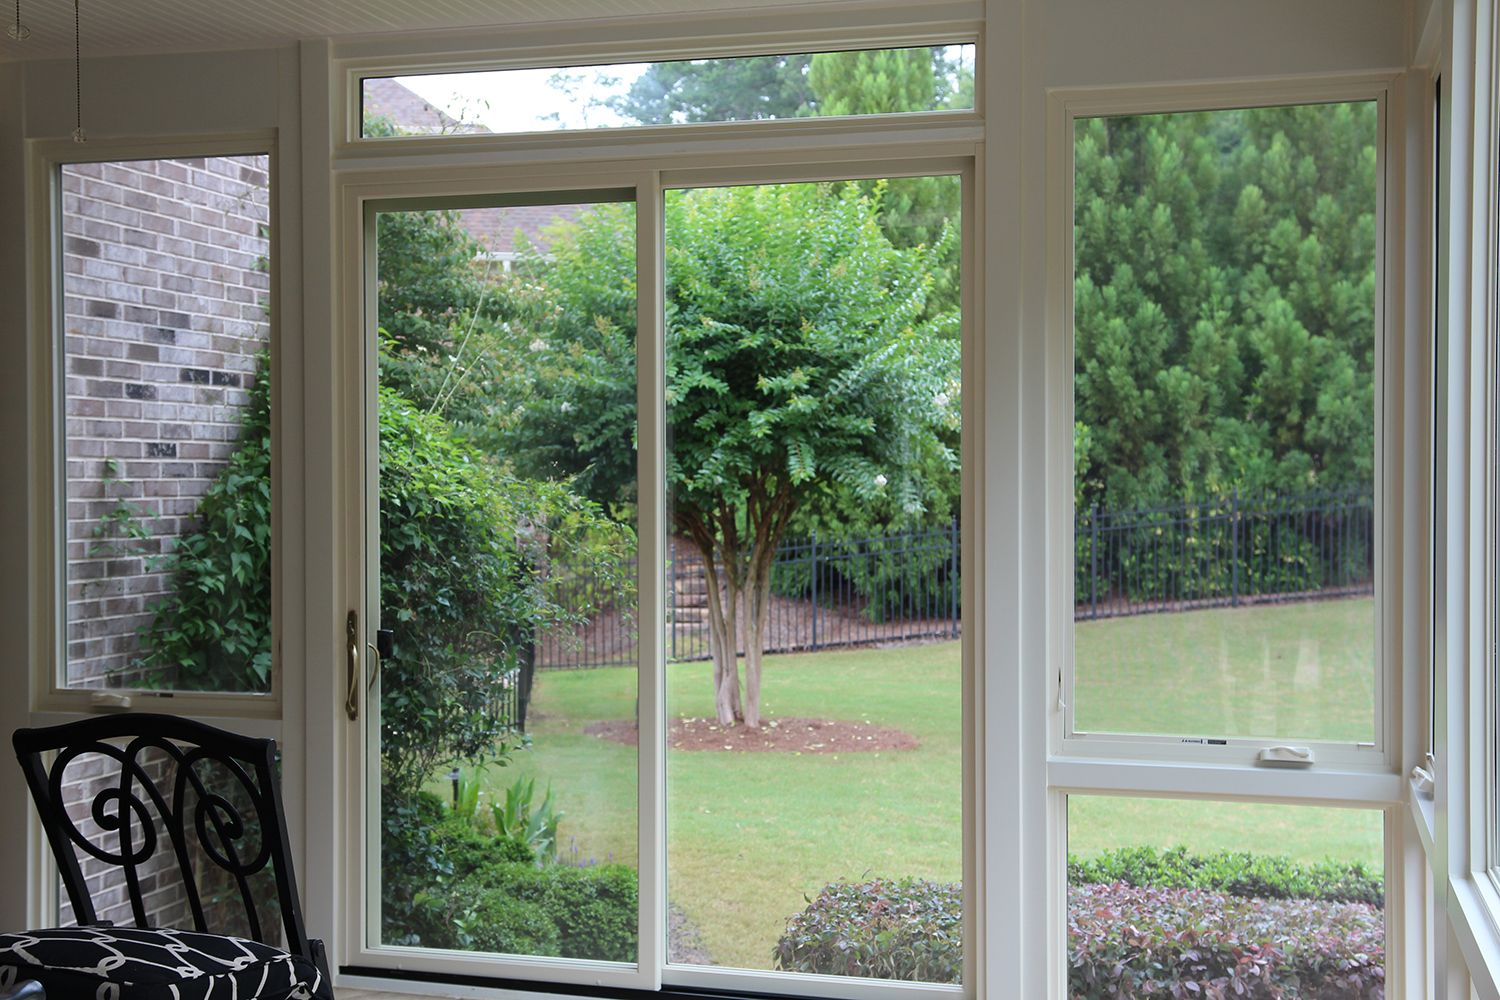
{"points": [[126, 963]]}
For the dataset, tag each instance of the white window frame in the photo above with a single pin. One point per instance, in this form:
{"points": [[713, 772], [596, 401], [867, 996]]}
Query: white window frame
{"points": [[650, 161], [1345, 775], [945, 22], [52, 699], [1340, 767], [1465, 850]]}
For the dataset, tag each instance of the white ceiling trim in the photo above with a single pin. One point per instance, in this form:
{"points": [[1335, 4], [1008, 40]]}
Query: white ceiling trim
{"points": [[139, 27]]}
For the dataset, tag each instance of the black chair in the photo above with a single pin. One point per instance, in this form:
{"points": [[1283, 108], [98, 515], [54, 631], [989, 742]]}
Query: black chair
{"points": [[186, 819]]}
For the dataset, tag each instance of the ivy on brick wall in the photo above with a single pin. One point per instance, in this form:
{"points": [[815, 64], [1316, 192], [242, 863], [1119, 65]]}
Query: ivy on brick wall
{"points": [[212, 632]]}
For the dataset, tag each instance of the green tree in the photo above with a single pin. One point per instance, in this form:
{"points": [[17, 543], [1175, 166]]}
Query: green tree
{"points": [[748, 88], [803, 373], [1224, 302]]}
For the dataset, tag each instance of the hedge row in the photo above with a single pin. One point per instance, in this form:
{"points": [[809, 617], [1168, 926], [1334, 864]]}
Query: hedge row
{"points": [[1130, 941], [1123, 941], [1232, 872]]}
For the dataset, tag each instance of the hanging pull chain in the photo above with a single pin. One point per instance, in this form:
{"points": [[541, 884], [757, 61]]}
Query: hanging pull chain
{"points": [[78, 133], [18, 31]]}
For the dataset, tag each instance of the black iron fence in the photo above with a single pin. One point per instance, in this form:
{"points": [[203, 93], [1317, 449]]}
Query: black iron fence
{"points": [[828, 593], [1231, 551]]}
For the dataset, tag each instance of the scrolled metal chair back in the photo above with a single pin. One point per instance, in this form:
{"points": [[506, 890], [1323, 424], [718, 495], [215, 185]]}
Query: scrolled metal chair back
{"points": [[200, 802]]}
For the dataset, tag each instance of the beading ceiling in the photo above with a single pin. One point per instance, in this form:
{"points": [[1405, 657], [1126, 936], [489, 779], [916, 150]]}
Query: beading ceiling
{"points": [[119, 27]]}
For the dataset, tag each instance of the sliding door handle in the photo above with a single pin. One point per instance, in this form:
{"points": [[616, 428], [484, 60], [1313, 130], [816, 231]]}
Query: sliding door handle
{"points": [[351, 697]]}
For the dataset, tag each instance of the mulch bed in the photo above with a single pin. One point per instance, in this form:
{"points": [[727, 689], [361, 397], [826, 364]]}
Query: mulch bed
{"points": [[788, 735]]}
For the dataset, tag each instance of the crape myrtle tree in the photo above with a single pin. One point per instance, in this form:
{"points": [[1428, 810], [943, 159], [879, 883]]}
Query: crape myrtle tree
{"points": [[1224, 303], [803, 371]]}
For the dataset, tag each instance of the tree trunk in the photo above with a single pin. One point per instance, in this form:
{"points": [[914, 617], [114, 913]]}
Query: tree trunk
{"points": [[722, 644], [757, 615]]}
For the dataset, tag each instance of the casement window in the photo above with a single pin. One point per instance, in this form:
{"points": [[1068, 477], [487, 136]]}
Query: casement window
{"points": [[158, 349]]}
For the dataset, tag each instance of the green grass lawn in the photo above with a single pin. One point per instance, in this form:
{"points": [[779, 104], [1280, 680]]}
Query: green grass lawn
{"points": [[750, 834], [1290, 671]]}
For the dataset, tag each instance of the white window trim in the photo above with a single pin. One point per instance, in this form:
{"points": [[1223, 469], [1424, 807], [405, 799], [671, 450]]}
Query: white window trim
{"points": [[1337, 763], [646, 39], [50, 695], [1354, 776]]}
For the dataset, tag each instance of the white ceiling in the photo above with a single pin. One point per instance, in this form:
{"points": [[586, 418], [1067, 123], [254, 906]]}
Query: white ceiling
{"points": [[119, 27]]}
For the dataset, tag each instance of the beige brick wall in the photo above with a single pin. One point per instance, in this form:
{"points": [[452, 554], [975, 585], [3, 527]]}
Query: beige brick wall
{"points": [[165, 297]]}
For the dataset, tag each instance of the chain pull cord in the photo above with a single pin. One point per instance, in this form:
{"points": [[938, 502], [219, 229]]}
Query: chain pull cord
{"points": [[18, 31], [78, 133]]}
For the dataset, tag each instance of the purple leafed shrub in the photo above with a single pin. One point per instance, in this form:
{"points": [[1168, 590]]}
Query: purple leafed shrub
{"points": [[1131, 942], [909, 929]]}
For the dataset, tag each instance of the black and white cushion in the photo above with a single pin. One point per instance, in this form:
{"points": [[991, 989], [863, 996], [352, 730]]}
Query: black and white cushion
{"points": [[125, 963]]}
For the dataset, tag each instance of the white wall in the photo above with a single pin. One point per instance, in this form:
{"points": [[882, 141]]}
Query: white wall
{"points": [[133, 98], [1109, 42], [14, 605]]}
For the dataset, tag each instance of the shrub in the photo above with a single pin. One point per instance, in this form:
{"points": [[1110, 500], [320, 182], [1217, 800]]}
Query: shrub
{"points": [[500, 922], [448, 885], [1233, 872], [909, 929], [1128, 941], [594, 909], [1123, 941]]}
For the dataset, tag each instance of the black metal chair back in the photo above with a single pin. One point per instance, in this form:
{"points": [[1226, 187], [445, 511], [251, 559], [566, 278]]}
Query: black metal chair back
{"points": [[202, 803]]}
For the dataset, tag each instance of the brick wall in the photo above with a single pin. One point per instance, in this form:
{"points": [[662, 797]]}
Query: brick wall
{"points": [[165, 297]]}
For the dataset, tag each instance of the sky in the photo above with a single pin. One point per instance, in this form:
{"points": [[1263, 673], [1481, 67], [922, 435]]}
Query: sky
{"points": [[524, 100], [545, 100]]}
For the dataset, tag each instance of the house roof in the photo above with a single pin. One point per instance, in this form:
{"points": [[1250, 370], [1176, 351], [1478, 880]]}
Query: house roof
{"points": [[501, 230]]}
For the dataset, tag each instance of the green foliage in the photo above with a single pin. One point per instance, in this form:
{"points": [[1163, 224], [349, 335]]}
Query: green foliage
{"points": [[1125, 941], [536, 828], [213, 630], [447, 885], [798, 363], [1237, 873], [1224, 303], [881, 81], [465, 808], [461, 542], [594, 908], [119, 530], [908, 929], [499, 922], [570, 411], [798, 358]]}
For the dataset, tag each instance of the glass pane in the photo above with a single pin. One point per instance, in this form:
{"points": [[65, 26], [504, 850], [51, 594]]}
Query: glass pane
{"points": [[814, 792], [737, 89], [166, 339], [1194, 898], [1224, 407], [507, 417]]}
